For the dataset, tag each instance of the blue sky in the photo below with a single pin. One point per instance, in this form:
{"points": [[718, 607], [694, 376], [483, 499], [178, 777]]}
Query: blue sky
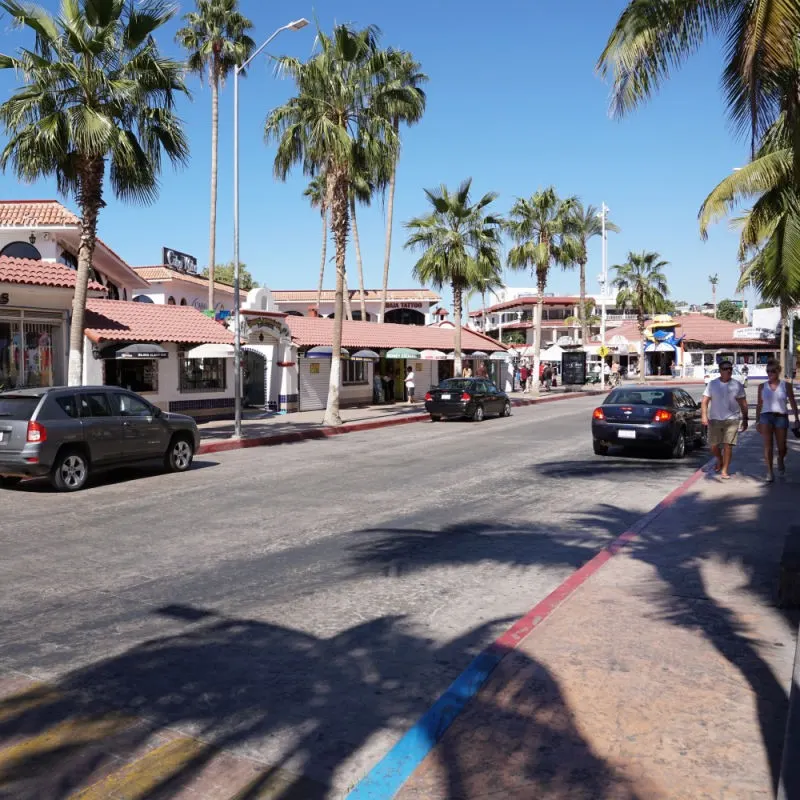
{"points": [[513, 102]]}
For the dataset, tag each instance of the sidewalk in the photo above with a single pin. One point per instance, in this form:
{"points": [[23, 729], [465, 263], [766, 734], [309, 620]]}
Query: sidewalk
{"points": [[664, 675], [260, 428]]}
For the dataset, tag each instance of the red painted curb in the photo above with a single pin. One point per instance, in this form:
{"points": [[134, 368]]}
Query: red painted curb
{"points": [[542, 610], [353, 427]]}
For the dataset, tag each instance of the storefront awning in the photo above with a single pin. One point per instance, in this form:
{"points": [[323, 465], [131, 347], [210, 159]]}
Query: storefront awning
{"points": [[661, 347], [211, 351], [132, 351]]}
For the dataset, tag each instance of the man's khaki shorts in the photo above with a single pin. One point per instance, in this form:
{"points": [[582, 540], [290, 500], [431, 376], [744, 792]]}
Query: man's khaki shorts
{"points": [[723, 431]]}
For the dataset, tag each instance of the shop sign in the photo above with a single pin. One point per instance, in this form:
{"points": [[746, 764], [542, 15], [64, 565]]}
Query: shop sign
{"points": [[178, 260], [753, 333], [405, 305], [313, 368], [4, 299]]}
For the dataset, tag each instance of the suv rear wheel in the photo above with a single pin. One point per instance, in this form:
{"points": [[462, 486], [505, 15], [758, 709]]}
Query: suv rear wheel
{"points": [[70, 471], [179, 455]]}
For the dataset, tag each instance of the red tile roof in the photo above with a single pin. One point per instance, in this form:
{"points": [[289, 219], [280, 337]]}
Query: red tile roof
{"points": [[119, 321], [393, 295], [30, 213], [528, 300], [163, 273], [313, 331], [40, 273], [697, 329]]}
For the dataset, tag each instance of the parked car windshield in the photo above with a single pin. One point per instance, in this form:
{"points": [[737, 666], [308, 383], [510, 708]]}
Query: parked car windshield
{"points": [[17, 407], [642, 397]]}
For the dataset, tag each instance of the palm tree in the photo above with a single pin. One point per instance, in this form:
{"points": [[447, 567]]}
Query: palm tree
{"points": [[650, 39], [113, 112], [538, 226], [336, 116], [714, 280], [317, 194], [583, 224], [406, 104], [216, 38], [460, 244], [642, 285]]}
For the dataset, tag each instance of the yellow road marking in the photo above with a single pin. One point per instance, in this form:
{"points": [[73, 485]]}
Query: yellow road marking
{"points": [[36, 695], [139, 778], [72, 733]]}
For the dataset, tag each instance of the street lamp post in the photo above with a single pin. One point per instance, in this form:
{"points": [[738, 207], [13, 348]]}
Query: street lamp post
{"points": [[603, 289], [237, 343]]}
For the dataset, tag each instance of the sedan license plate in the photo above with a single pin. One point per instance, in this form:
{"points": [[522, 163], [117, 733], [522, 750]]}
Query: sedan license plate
{"points": [[626, 434], [445, 397]]}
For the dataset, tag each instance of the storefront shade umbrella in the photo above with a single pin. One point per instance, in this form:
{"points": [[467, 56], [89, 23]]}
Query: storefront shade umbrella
{"points": [[324, 351], [403, 352], [478, 354], [433, 355], [500, 355], [135, 350], [365, 355], [211, 351], [553, 353]]}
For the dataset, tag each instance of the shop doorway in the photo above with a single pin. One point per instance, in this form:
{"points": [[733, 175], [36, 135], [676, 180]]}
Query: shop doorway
{"points": [[660, 363], [255, 374]]}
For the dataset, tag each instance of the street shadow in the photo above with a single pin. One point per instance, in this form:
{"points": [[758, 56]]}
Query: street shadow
{"points": [[745, 534], [304, 703], [109, 477], [621, 463]]}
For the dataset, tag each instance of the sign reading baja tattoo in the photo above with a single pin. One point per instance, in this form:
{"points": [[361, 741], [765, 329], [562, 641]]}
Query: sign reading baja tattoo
{"points": [[177, 260]]}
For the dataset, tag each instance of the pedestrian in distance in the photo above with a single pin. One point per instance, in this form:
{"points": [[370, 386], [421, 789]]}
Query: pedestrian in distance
{"points": [[772, 417], [523, 378], [724, 405], [548, 377], [466, 372], [409, 382]]}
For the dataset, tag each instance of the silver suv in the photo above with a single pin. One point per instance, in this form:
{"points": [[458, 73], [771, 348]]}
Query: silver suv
{"points": [[65, 433]]}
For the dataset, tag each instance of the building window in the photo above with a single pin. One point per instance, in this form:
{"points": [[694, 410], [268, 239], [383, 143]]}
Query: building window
{"points": [[21, 250], [183, 301], [354, 372], [137, 376], [70, 259], [171, 301], [202, 375], [357, 316]]}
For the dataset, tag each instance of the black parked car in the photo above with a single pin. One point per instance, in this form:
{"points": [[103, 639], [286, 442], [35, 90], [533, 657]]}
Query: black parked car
{"points": [[668, 420], [466, 397], [66, 433]]}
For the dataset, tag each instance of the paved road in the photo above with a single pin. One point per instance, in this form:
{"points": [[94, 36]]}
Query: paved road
{"points": [[302, 605]]}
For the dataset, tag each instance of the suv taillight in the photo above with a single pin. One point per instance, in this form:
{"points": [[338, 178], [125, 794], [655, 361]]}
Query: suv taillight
{"points": [[598, 414], [466, 397], [428, 396], [36, 432]]}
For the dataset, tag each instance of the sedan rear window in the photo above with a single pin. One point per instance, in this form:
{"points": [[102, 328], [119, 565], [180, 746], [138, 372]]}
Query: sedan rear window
{"points": [[17, 407], [639, 397], [457, 384]]}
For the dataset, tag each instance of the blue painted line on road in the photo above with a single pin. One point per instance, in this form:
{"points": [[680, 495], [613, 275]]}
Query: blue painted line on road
{"points": [[384, 780]]}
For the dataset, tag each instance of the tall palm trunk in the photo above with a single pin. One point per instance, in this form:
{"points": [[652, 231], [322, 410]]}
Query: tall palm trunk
{"points": [[90, 200], [784, 316], [339, 227], [537, 336], [359, 262], [582, 306], [324, 255], [714, 298], [640, 320], [458, 299], [483, 312], [348, 306], [389, 216], [212, 233]]}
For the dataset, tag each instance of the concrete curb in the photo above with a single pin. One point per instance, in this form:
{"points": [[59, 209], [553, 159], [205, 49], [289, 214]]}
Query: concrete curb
{"points": [[384, 780], [354, 427]]}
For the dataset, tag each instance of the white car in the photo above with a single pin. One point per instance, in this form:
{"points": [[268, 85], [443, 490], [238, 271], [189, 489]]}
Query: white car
{"points": [[738, 375]]}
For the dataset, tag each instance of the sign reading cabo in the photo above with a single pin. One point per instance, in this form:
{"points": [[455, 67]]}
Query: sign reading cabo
{"points": [[178, 260], [753, 333]]}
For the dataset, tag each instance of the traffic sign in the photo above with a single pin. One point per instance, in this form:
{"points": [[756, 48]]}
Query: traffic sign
{"points": [[603, 351]]}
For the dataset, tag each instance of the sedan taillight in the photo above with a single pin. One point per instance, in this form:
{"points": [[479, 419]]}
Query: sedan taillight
{"points": [[428, 396], [466, 397], [662, 416], [36, 432], [598, 414]]}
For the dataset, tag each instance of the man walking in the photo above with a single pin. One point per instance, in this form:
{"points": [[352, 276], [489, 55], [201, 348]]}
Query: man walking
{"points": [[724, 404]]}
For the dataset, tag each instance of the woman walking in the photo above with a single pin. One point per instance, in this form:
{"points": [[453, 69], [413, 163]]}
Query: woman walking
{"points": [[774, 395]]}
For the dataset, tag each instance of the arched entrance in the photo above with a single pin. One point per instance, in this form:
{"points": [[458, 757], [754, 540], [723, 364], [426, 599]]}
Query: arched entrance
{"points": [[255, 378], [405, 316]]}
